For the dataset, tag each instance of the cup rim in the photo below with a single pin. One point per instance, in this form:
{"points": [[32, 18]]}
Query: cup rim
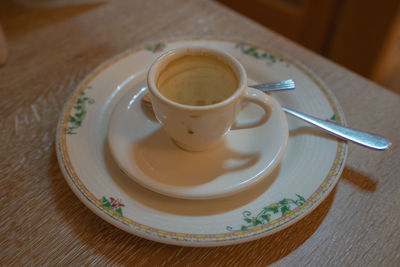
{"points": [[178, 52]]}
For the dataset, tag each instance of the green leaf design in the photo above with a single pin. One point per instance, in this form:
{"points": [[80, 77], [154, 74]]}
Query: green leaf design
{"points": [[75, 120], [283, 207], [157, 47], [112, 206], [301, 198], [283, 202], [105, 203], [80, 115], [70, 130], [119, 211], [252, 51], [266, 217], [257, 222], [273, 208]]}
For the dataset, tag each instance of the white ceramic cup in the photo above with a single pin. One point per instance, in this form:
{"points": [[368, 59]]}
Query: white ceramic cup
{"points": [[198, 128]]}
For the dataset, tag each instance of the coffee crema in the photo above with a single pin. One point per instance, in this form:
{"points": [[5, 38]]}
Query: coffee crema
{"points": [[197, 80]]}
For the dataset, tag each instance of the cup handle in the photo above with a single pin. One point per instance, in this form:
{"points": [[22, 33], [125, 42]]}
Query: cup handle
{"points": [[261, 99]]}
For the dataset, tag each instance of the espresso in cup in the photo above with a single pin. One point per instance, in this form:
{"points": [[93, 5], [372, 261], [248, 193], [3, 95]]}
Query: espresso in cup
{"points": [[197, 80], [196, 94]]}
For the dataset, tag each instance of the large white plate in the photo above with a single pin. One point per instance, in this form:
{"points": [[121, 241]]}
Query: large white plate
{"points": [[308, 172]]}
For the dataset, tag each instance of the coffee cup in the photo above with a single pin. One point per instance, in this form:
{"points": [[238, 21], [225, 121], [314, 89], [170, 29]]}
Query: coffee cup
{"points": [[197, 94]]}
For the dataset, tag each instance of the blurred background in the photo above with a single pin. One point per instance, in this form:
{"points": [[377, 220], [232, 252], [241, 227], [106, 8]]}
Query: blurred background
{"points": [[361, 35]]}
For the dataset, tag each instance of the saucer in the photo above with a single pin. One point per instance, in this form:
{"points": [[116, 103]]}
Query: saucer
{"points": [[146, 154], [307, 173]]}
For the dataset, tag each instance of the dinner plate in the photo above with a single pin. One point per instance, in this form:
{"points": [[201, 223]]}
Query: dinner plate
{"points": [[145, 153], [307, 173]]}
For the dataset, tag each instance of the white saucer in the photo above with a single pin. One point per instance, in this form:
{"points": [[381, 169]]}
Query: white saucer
{"points": [[146, 154]]}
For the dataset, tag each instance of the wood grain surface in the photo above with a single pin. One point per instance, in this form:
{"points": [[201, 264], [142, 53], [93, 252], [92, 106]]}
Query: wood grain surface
{"points": [[50, 49]]}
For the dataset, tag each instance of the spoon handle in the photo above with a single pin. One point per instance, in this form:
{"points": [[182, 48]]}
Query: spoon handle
{"points": [[362, 138], [275, 86]]}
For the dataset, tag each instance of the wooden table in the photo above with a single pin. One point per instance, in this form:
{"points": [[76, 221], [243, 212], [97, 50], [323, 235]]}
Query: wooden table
{"points": [[43, 223]]}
